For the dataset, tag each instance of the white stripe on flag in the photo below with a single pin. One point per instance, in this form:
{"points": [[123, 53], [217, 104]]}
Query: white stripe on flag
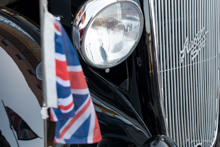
{"points": [[67, 111], [74, 127], [80, 91], [74, 68], [91, 127], [49, 81], [60, 140], [65, 101], [60, 57], [63, 82], [54, 115]]}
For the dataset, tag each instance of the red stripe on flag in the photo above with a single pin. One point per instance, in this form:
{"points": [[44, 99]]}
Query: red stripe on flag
{"points": [[51, 116], [74, 119], [66, 107], [77, 80], [96, 133], [55, 141], [56, 27], [15, 121], [61, 70]]}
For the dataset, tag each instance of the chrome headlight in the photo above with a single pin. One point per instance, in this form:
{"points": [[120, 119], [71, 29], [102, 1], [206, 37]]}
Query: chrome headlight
{"points": [[109, 31]]}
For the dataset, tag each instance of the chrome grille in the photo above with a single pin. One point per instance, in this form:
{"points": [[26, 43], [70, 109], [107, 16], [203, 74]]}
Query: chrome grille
{"points": [[187, 36]]}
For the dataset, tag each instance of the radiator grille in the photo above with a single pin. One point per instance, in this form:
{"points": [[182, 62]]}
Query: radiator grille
{"points": [[188, 41]]}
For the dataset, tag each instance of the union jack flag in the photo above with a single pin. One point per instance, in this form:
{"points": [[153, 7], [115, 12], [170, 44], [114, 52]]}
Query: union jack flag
{"points": [[23, 131], [75, 117]]}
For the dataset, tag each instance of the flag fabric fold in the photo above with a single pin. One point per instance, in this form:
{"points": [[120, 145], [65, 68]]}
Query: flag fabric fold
{"points": [[75, 117], [64, 96]]}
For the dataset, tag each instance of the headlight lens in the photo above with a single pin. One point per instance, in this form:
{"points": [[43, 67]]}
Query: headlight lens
{"points": [[112, 35]]}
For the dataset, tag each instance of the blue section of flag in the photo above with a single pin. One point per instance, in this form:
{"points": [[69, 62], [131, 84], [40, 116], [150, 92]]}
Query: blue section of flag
{"points": [[80, 100], [63, 91], [59, 44]]}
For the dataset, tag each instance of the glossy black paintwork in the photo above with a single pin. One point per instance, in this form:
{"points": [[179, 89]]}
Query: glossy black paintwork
{"points": [[114, 99], [117, 117], [115, 126], [150, 107], [121, 97], [160, 141], [30, 9], [28, 25], [27, 8], [134, 74]]}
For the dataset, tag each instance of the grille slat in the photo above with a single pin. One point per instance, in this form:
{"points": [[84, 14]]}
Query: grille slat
{"points": [[177, 12], [176, 78], [199, 26], [184, 129], [167, 65], [194, 75], [203, 76], [172, 75], [211, 70], [207, 73], [189, 83], [186, 86], [197, 124]]}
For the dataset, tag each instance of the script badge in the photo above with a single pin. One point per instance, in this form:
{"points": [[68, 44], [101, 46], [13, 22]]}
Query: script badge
{"points": [[195, 46]]}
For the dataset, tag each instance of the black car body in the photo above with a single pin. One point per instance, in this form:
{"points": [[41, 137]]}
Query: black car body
{"points": [[167, 86]]}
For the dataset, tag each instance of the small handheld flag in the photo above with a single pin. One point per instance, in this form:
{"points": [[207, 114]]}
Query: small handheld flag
{"points": [[75, 117]]}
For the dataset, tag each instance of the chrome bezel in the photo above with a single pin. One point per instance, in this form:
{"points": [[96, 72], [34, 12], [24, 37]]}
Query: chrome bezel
{"points": [[97, 6]]}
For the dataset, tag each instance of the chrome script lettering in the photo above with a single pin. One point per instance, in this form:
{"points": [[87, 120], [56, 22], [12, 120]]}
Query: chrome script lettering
{"points": [[195, 46]]}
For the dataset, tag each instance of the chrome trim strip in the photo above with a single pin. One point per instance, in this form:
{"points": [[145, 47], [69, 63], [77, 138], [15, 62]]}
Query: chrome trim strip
{"points": [[153, 59], [218, 69]]}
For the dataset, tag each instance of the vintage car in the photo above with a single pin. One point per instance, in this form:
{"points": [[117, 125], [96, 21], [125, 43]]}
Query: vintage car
{"points": [[152, 67]]}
